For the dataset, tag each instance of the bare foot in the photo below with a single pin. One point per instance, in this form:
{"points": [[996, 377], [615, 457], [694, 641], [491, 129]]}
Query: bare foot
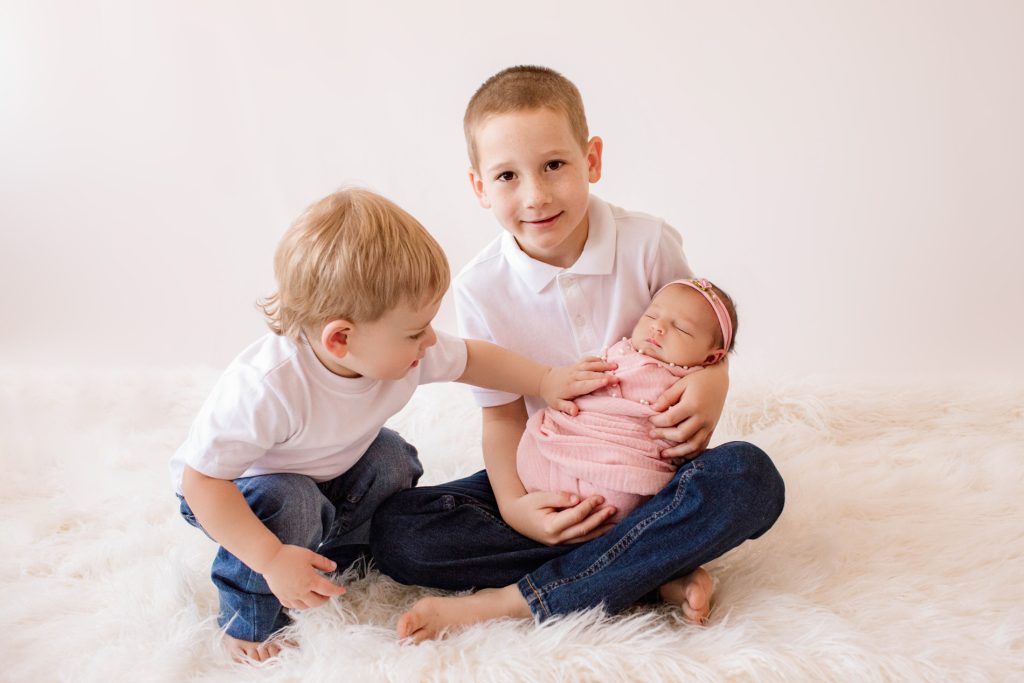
{"points": [[430, 617], [692, 593], [246, 650]]}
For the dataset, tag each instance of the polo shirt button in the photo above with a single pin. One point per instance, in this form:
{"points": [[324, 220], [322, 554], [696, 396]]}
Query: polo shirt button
{"points": [[580, 320]]}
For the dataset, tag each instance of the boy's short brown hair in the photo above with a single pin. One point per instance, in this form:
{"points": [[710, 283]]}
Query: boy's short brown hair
{"points": [[521, 88], [352, 255]]}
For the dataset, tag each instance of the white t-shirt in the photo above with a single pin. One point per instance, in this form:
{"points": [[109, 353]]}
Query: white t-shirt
{"points": [[556, 315], [278, 409]]}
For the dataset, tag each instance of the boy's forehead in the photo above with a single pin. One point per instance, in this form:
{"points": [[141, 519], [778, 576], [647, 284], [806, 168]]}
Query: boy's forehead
{"points": [[534, 130]]}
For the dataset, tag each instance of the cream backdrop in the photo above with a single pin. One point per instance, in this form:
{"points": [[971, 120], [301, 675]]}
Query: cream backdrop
{"points": [[853, 172]]}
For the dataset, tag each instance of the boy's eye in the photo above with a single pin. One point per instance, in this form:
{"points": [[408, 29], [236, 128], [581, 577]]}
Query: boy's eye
{"points": [[505, 177], [554, 165], [418, 335]]}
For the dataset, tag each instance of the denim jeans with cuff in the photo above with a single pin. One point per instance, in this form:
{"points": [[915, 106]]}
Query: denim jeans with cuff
{"points": [[452, 536], [331, 518]]}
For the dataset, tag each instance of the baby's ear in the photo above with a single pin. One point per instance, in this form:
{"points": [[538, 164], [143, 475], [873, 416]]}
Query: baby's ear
{"points": [[335, 337], [714, 357]]}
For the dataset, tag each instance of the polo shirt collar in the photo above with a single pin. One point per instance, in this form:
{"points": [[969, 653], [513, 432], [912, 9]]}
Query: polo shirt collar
{"points": [[598, 257]]}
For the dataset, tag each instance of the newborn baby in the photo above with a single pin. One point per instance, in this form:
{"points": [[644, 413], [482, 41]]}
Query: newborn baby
{"points": [[605, 449]]}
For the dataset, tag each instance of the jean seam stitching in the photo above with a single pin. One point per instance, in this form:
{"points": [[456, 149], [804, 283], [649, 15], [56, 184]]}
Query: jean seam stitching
{"points": [[538, 599]]}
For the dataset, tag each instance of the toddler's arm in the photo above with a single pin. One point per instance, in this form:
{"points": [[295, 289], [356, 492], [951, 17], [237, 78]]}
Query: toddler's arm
{"points": [[692, 407], [495, 367], [291, 572], [549, 517]]}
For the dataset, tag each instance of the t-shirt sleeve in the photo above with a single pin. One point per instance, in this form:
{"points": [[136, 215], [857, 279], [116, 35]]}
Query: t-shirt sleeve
{"points": [[445, 361], [473, 325], [669, 260], [241, 420]]}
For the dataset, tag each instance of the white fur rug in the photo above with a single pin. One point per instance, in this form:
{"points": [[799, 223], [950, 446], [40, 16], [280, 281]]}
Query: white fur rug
{"points": [[898, 557]]}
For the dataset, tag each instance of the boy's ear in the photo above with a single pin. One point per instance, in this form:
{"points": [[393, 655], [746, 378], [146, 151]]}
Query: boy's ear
{"points": [[594, 149], [714, 357], [478, 188], [335, 337]]}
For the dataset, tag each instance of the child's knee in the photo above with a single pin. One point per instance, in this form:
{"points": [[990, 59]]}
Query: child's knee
{"points": [[290, 506], [763, 487], [396, 462], [765, 476]]}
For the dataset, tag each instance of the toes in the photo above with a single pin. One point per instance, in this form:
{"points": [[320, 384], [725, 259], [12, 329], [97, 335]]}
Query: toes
{"points": [[246, 652], [698, 617], [407, 624], [268, 650]]}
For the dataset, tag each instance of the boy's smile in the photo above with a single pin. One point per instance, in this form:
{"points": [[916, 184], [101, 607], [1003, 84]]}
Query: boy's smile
{"points": [[535, 177]]}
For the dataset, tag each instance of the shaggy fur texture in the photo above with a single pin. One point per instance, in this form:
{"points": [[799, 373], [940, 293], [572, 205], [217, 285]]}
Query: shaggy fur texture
{"points": [[898, 556]]}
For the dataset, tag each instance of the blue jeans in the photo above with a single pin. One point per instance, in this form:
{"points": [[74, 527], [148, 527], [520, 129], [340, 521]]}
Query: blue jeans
{"points": [[452, 536], [331, 517]]}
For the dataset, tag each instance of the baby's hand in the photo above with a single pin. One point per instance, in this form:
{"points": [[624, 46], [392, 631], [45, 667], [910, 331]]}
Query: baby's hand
{"points": [[293, 575], [567, 382]]}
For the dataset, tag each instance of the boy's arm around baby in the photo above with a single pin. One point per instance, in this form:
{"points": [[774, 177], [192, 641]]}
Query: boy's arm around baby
{"points": [[549, 517]]}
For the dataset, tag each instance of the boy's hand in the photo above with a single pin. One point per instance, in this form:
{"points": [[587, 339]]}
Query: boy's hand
{"points": [[553, 518], [293, 575], [569, 381], [692, 407]]}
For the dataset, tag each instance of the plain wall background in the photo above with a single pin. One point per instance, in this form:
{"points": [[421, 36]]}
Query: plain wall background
{"points": [[852, 172]]}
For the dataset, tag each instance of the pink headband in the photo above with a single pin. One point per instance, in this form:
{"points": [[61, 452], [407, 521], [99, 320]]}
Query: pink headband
{"points": [[706, 288]]}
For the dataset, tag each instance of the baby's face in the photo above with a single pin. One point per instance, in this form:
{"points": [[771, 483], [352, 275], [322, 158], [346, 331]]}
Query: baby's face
{"points": [[679, 326]]}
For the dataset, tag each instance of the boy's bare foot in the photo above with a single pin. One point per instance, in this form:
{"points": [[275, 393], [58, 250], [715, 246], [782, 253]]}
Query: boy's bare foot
{"points": [[692, 593], [430, 617], [246, 650]]}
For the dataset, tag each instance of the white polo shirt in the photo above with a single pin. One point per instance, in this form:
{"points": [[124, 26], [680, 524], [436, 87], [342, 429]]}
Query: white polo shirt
{"points": [[277, 409], [556, 315]]}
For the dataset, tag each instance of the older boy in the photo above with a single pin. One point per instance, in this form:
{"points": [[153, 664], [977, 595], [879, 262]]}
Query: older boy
{"points": [[570, 275], [288, 459]]}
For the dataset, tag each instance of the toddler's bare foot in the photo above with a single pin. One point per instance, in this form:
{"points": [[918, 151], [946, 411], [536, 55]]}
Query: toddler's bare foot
{"points": [[247, 650], [430, 617], [692, 593]]}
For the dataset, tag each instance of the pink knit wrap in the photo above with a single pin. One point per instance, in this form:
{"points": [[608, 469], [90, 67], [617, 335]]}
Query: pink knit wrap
{"points": [[604, 450]]}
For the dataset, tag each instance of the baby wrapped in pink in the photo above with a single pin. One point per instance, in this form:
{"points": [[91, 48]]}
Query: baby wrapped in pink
{"points": [[605, 449]]}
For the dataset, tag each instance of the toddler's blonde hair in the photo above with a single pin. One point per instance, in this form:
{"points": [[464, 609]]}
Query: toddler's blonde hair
{"points": [[352, 255], [521, 88]]}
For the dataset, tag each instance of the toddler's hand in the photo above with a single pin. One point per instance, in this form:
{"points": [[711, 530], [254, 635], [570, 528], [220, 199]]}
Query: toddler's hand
{"points": [[293, 575], [553, 518], [569, 381]]}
